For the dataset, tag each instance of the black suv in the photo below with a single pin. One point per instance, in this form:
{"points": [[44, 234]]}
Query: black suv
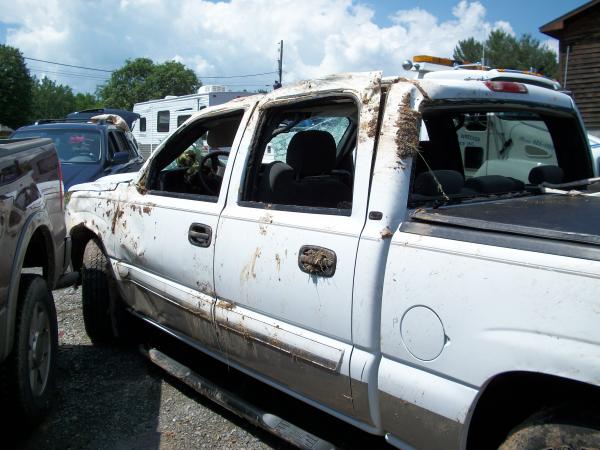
{"points": [[87, 151]]}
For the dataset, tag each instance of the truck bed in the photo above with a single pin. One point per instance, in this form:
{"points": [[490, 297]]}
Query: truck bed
{"points": [[556, 224]]}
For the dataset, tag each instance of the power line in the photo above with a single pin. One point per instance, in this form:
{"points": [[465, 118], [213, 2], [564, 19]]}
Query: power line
{"points": [[111, 71], [68, 74], [239, 76], [68, 65], [259, 85]]}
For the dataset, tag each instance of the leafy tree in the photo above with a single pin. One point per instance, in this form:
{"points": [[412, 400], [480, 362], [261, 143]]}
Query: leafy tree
{"points": [[505, 51], [54, 101], [85, 101], [51, 100], [141, 80], [172, 78], [15, 88], [468, 50], [127, 84]]}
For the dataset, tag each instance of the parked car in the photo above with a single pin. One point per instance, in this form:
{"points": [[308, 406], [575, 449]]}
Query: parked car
{"points": [[443, 298], [32, 235], [87, 150]]}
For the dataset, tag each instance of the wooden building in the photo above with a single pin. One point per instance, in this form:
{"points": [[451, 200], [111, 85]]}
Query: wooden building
{"points": [[578, 33]]}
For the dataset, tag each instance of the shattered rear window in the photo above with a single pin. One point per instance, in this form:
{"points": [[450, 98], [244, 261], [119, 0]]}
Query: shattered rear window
{"points": [[482, 153]]}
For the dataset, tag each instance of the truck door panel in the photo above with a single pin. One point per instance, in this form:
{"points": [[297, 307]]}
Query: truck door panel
{"points": [[288, 236], [170, 276]]}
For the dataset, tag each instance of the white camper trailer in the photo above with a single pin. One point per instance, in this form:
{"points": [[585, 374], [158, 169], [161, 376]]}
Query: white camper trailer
{"points": [[159, 118]]}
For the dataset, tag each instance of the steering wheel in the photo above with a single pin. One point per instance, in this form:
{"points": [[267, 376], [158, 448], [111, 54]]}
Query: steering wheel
{"points": [[211, 178]]}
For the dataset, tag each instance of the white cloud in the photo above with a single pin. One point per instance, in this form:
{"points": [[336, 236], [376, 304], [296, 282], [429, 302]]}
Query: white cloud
{"points": [[235, 37]]}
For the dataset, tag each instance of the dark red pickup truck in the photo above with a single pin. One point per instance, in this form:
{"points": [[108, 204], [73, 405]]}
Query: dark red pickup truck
{"points": [[32, 235]]}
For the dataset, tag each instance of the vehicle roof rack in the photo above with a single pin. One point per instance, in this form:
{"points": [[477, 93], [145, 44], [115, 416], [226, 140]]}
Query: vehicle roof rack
{"points": [[83, 120]]}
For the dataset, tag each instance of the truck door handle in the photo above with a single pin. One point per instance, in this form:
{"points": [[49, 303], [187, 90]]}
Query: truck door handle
{"points": [[316, 260], [200, 235]]}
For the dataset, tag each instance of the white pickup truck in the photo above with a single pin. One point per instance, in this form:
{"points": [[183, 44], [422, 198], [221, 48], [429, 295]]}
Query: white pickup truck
{"points": [[368, 264]]}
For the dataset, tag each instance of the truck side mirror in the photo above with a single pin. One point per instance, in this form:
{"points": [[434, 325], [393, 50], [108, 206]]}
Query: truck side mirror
{"points": [[120, 157]]}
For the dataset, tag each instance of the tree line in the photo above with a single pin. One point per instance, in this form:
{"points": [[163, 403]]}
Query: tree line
{"points": [[504, 51], [25, 98]]}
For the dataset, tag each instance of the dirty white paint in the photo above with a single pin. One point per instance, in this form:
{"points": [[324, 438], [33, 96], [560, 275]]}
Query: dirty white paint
{"points": [[257, 249], [519, 306], [340, 343], [297, 343], [389, 195]]}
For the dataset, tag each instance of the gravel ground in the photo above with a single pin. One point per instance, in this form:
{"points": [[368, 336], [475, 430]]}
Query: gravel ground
{"points": [[113, 398]]}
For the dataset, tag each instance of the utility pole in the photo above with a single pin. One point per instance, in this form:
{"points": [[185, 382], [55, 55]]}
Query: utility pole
{"points": [[483, 56], [277, 83]]}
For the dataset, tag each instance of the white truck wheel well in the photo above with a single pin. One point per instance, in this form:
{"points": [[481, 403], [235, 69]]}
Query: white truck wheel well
{"points": [[510, 398], [80, 236]]}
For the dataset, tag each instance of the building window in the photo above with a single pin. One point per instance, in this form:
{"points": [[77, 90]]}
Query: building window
{"points": [[162, 121], [182, 118], [142, 124]]}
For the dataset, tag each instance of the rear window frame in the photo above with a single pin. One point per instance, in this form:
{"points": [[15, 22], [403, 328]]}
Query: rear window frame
{"points": [[578, 137]]}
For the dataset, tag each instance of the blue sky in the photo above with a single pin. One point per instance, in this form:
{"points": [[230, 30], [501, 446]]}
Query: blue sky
{"points": [[220, 40], [525, 16]]}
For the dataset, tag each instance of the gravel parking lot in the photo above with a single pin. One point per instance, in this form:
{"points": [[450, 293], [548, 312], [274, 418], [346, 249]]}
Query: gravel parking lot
{"points": [[113, 398]]}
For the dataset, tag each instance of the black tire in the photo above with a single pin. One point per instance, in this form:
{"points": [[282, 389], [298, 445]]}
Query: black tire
{"points": [[104, 315], [28, 375], [554, 432]]}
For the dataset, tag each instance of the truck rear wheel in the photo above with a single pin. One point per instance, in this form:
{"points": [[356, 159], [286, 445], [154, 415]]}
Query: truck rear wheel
{"points": [[552, 434], [104, 315], [28, 375]]}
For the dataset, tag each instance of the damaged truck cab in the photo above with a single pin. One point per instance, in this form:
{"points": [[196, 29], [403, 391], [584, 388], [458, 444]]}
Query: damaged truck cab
{"points": [[337, 240]]}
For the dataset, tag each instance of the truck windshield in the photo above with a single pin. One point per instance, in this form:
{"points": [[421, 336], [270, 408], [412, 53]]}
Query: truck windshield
{"points": [[467, 154], [73, 146]]}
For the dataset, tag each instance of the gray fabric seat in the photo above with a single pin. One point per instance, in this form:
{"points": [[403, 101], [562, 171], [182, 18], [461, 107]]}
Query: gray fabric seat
{"points": [[494, 184], [426, 183], [306, 179], [546, 174], [273, 181]]}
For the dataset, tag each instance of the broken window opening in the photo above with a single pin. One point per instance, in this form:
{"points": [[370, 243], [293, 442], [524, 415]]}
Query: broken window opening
{"points": [[193, 162], [304, 157], [470, 154]]}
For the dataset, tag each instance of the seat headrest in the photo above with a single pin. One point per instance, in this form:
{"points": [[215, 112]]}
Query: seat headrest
{"points": [[494, 184], [548, 174], [311, 152], [452, 182]]}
